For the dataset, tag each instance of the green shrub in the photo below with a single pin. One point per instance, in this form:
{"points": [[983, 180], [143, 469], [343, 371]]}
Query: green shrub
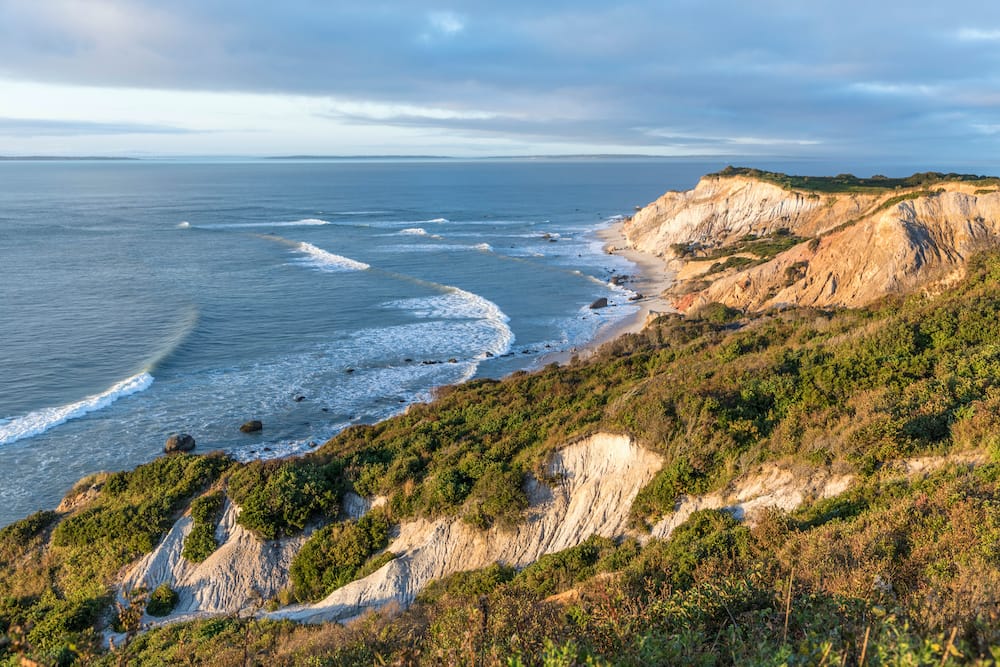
{"points": [[716, 313], [280, 497], [497, 497], [162, 600], [205, 513], [335, 554], [556, 572], [470, 584], [706, 537]]}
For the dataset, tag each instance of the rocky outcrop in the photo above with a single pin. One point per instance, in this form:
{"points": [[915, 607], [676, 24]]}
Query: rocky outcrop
{"points": [[252, 426], [859, 247], [178, 442]]}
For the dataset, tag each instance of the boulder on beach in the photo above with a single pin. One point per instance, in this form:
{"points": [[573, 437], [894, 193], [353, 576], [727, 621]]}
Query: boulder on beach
{"points": [[600, 303], [178, 442], [252, 426]]}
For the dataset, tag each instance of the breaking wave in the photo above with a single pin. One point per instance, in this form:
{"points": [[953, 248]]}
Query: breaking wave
{"points": [[327, 261], [40, 421]]}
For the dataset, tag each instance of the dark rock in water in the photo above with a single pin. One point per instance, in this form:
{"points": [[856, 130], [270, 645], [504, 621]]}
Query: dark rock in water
{"points": [[252, 426], [407, 361], [178, 442], [489, 354], [429, 362], [267, 449], [600, 303], [299, 399], [313, 444], [453, 360], [324, 409], [349, 370]]}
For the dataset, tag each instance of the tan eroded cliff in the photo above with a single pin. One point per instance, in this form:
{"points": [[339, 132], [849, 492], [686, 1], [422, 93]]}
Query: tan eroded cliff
{"points": [[858, 247]]}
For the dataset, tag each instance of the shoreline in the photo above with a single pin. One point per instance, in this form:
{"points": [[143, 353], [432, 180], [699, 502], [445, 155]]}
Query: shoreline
{"points": [[650, 279]]}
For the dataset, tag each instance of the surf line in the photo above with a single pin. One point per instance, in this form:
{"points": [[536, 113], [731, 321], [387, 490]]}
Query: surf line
{"points": [[40, 421], [483, 308]]}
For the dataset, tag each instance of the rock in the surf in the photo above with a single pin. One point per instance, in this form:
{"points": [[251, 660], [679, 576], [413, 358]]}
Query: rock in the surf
{"points": [[600, 303], [178, 442], [252, 426]]}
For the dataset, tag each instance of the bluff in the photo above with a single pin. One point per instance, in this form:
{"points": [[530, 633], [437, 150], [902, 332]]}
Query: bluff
{"points": [[756, 240]]}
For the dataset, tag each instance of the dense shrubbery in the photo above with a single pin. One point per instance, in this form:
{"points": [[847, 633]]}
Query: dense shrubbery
{"points": [[280, 497], [205, 513], [162, 601], [891, 574], [55, 597], [715, 396], [335, 554]]}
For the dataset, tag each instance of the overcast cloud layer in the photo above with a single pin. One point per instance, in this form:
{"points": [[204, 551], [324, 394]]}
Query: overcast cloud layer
{"points": [[898, 80]]}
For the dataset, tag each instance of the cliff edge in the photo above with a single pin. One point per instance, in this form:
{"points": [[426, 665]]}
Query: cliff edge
{"points": [[756, 240]]}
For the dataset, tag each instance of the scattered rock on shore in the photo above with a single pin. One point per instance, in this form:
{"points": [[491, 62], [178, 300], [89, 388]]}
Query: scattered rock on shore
{"points": [[252, 426], [178, 442], [600, 303]]}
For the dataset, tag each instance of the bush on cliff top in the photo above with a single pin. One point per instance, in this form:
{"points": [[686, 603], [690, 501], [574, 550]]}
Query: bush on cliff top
{"points": [[280, 497]]}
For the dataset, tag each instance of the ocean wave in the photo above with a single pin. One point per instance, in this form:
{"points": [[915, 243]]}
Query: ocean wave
{"points": [[456, 303], [328, 261], [437, 220], [418, 231], [305, 222], [437, 247], [40, 421], [184, 224]]}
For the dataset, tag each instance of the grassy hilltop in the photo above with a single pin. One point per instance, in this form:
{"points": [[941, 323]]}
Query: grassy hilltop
{"points": [[899, 569]]}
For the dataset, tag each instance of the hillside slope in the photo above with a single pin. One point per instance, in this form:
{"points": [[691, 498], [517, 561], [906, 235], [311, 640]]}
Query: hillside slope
{"points": [[582, 512]]}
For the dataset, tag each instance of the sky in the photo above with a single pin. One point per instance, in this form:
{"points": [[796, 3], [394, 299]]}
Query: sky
{"points": [[884, 79]]}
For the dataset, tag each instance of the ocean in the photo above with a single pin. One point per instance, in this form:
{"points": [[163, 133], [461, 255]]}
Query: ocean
{"points": [[141, 298]]}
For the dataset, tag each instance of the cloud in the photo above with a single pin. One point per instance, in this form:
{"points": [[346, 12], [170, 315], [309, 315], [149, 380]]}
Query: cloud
{"points": [[774, 75], [41, 127], [446, 23], [978, 35]]}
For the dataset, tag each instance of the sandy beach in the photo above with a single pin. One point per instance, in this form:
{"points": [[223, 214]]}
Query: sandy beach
{"points": [[650, 279]]}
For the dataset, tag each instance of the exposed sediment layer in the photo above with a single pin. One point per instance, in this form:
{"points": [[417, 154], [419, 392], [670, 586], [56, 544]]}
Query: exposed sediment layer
{"points": [[859, 246]]}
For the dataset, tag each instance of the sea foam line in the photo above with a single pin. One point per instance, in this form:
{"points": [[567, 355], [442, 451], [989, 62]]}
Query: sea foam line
{"points": [[328, 261], [40, 421], [306, 222]]}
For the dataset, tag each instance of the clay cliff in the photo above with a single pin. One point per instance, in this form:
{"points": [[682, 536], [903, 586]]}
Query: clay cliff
{"points": [[837, 249]]}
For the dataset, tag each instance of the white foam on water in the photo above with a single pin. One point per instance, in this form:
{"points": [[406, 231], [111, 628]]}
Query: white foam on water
{"points": [[322, 260], [306, 222], [437, 220], [418, 231], [485, 247], [456, 303], [184, 225], [40, 421]]}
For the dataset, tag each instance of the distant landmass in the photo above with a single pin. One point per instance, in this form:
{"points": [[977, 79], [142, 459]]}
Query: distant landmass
{"points": [[63, 158]]}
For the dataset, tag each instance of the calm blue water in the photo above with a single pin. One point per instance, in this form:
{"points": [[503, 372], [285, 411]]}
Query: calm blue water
{"points": [[142, 298]]}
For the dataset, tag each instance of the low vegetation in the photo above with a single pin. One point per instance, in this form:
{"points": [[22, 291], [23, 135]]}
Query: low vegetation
{"points": [[889, 570], [336, 553], [851, 183], [205, 514], [899, 572]]}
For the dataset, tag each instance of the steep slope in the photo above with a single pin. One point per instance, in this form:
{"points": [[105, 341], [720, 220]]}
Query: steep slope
{"points": [[856, 246], [242, 572]]}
